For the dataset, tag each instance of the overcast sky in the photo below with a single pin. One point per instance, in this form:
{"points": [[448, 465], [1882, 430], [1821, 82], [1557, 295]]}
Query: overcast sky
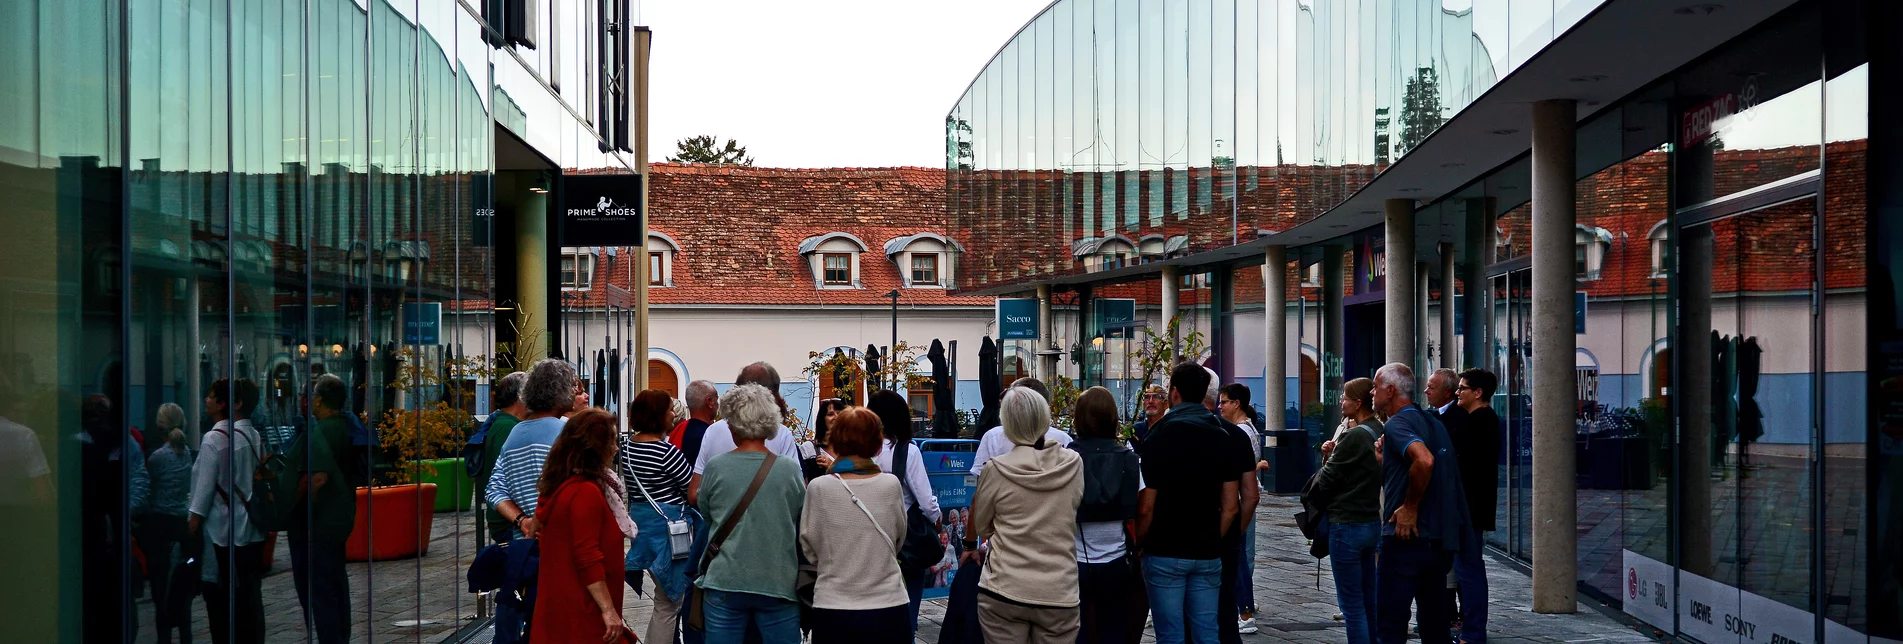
{"points": [[820, 83]]}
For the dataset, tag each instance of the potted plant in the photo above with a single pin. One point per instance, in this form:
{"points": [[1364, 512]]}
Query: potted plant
{"points": [[416, 440]]}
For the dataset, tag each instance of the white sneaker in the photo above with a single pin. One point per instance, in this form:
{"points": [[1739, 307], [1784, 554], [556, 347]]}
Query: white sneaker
{"points": [[1246, 626]]}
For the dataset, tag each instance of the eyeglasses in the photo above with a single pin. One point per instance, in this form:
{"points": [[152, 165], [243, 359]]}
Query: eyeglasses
{"points": [[1466, 388], [1154, 396]]}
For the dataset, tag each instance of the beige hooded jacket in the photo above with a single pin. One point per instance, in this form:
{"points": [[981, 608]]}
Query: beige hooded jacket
{"points": [[1026, 503]]}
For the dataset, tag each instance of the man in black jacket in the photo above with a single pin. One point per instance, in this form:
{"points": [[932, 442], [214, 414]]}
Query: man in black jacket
{"points": [[1477, 444]]}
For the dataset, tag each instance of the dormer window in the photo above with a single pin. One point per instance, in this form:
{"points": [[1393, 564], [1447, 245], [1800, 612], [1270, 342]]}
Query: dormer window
{"points": [[925, 268], [833, 259], [838, 269], [1151, 248], [923, 260], [661, 253], [1658, 239], [578, 269], [1589, 251], [1104, 253]]}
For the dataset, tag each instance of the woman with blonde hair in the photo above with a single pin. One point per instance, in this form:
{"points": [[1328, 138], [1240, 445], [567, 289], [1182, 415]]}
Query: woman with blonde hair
{"points": [[170, 472]]}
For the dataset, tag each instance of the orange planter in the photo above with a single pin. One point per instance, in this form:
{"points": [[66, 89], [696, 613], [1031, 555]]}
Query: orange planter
{"points": [[402, 514]]}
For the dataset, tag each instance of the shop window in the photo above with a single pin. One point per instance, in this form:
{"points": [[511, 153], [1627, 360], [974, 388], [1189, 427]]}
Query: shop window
{"points": [[838, 269]]}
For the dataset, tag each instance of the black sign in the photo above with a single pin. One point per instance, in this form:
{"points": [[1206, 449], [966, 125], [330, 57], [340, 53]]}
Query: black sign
{"points": [[482, 212], [601, 210]]}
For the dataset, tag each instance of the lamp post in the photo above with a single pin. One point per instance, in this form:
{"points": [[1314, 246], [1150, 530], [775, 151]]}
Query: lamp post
{"points": [[894, 294]]}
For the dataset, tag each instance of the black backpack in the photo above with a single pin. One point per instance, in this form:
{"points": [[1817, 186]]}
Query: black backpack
{"points": [[921, 548], [1110, 481], [271, 505]]}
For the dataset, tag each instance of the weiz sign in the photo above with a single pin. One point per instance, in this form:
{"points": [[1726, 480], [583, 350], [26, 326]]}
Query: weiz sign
{"points": [[601, 210], [1017, 318]]}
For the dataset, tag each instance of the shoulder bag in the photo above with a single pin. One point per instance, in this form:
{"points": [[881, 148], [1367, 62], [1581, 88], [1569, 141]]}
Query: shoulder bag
{"points": [[680, 536], [697, 598], [921, 548]]}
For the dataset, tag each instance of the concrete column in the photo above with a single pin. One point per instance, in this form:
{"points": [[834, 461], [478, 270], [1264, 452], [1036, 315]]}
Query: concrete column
{"points": [[1694, 393], [1555, 513], [1480, 254], [1046, 364], [1333, 325], [1172, 296], [643, 42], [1401, 286], [1449, 358], [1274, 337], [531, 278], [1418, 359]]}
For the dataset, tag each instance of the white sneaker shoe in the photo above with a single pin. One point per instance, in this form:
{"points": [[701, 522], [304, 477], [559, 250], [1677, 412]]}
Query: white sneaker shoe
{"points": [[1246, 626]]}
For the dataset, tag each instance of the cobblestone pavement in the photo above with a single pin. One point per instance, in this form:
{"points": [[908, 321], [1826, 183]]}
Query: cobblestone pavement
{"points": [[1292, 608]]}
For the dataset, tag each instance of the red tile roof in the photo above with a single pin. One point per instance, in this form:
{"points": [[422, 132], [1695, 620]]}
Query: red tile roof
{"points": [[740, 228]]}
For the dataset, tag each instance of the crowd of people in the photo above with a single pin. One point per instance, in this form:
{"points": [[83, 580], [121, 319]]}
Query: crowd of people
{"points": [[738, 532]]}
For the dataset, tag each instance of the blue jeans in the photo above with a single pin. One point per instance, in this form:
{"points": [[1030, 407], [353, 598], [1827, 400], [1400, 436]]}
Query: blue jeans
{"points": [[1412, 571], [1351, 548], [1183, 598], [730, 615], [1245, 572], [914, 593], [1470, 571]]}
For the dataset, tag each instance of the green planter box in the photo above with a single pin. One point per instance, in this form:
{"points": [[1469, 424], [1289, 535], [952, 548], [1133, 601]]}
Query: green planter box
{"points": [[454, 487]]}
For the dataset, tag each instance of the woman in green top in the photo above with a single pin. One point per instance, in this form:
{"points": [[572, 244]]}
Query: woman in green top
{"points": [[1351, 480], [750, 580]]}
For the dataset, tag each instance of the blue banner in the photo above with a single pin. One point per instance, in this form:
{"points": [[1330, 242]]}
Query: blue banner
{"points": [[1017, 318], [1579, 312]]}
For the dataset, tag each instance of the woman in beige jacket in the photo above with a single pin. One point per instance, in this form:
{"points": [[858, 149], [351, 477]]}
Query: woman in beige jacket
{"points": [[1026, 504]]}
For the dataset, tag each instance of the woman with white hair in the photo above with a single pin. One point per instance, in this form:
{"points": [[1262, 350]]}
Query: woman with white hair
{"points": [[749, 576], [1026, 504], [170, 469]]}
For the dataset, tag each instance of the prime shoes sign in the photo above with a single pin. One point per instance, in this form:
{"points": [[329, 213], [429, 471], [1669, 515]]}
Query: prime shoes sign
{"points": [[601, 210]]}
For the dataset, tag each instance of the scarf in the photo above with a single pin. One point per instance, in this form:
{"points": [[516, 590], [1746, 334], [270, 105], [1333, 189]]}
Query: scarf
{"points": [[612, 488], [855, 465]]}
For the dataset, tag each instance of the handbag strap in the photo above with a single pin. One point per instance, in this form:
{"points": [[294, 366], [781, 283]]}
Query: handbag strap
{"points": [[868, 513], [726, 527], [899, 461], [644, 488]]}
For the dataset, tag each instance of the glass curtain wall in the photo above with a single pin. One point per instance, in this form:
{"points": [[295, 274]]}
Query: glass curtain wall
{"points": [[1205, 121], [235, 230], [1720, 371]]}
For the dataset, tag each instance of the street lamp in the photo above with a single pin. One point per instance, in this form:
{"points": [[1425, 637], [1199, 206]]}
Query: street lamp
{"points": [[894, 294]]}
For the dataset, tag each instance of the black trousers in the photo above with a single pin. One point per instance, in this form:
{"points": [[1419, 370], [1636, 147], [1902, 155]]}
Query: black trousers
{"points": [[1104, 596], [323, 586], [235, 603], [171, 578], [1412, 574], [876, 626], [1227, 630]]}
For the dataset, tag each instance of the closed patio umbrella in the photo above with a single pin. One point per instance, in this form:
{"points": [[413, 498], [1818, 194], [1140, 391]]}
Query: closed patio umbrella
{"points": [[944, 421], [872, 368], [989, 385]]}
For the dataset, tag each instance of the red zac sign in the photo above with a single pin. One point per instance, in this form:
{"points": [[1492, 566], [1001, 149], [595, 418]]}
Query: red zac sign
{"points": [[1699, 123]]}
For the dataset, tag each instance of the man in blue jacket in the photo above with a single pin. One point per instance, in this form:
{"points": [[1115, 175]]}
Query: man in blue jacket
{"points": [[1424, 512]]}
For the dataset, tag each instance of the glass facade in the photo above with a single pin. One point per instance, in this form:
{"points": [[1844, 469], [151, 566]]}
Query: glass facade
{"points": [[261, 193], [1207, 120]]}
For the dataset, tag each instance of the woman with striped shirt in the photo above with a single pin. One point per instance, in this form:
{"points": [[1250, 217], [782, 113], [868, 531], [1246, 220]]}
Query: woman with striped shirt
{"points": [[656, 476]]}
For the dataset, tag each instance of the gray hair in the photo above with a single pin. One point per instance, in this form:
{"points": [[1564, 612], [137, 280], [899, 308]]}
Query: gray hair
{"points": [[509, 389], [1212, 398], [550, 387], [1450, 377], [331, 391], [1026, 415], [1400, 376], [751, 411], [170, 416], [699, 392], [679, 412]]}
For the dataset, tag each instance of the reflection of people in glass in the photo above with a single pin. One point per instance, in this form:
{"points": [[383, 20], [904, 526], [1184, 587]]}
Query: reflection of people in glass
{"points": [[113, 486], [24, 476], [234, 603], [327, 509], [162, 534]]}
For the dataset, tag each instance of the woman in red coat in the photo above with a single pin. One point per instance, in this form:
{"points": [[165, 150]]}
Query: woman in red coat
{"points": [[583, 520]]}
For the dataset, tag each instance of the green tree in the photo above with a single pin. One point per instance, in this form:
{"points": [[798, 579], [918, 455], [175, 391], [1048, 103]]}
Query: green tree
{"points": [[707, 149], [1420, 109]]}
